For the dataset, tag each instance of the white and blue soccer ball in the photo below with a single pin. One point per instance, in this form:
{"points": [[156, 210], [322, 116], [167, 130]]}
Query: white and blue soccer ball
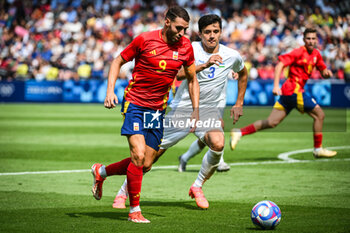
{"points": [[266, 215]]}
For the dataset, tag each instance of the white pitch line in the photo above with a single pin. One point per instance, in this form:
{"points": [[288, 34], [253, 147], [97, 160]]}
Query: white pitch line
{"points": [[283, 156], [255, 163], [43, 172]]}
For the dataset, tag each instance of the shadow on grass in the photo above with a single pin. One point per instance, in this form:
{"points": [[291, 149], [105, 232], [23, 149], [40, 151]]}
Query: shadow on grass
{"points": [[124, 214], [190, 205], [110, 215], [192, 170], [255, 229]]}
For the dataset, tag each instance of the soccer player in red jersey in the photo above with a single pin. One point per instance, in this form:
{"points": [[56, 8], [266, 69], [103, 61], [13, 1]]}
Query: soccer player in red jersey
{"points": [[301, 62], [158, 57], [214, 62]]}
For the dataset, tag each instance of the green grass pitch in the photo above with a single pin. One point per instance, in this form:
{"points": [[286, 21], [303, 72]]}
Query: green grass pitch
{"points": [[314, 195]]}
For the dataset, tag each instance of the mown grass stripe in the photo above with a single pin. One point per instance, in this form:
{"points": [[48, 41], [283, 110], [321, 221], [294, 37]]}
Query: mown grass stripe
{"points": [[175, 166]]}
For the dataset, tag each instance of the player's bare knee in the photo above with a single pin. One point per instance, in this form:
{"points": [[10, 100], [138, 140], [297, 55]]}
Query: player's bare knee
{"points": [[217, 145], [216, 141], [272, 123], [138, 157], [321, 115]]}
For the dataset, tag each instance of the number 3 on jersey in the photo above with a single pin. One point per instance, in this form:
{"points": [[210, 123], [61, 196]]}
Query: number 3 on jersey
{"points": [[162, 64], [212, 71]]}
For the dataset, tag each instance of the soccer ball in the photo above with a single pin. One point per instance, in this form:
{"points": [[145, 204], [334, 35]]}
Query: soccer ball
{"points": [[266, 215]]}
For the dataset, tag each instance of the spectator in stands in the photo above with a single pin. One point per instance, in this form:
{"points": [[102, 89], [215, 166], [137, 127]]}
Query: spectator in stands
{"points": [[347, 69], [61, 31], [84, 71]]}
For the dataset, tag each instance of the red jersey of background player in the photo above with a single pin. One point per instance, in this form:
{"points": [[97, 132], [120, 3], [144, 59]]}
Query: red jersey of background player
{"points": [[156, 65], [301, 65]]}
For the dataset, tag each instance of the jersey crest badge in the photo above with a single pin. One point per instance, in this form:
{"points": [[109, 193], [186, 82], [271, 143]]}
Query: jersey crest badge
{"points": [[175, 55], [136, 126]]}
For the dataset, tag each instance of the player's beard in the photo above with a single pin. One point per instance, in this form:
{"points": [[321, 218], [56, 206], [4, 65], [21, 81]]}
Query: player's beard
{"points": [[311, 47], [171, 36]]}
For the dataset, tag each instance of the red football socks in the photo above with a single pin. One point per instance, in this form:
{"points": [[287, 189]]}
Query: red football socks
{"points": [[119, 168], [248, 129], [134, 176], [318, 140]]}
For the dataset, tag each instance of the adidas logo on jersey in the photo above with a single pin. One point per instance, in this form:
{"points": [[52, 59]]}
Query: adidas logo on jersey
{"points": [[153, 52]]}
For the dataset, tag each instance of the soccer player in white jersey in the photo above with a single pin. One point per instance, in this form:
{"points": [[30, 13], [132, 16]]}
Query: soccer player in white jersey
{"points": [[214, 63]]}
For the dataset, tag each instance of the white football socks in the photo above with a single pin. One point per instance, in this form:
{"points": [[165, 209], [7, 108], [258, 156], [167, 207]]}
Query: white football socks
{"points": [[102, 171], [210, 162], [124, 188], [191, 152], [222, 158], [134, 209]]}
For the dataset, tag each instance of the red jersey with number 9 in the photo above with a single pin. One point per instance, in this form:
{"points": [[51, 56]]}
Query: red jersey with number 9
{"points": [[301, 65], [156, 66]]}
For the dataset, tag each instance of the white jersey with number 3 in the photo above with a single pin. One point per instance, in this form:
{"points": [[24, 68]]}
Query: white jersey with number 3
{"points": [[212, 80]]}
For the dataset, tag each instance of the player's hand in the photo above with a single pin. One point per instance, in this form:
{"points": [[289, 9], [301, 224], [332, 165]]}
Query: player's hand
{"points": [[276, 91], [111, 100], [236, 113], [194, 116], [235, 75], [327, 73], [215, 59]]}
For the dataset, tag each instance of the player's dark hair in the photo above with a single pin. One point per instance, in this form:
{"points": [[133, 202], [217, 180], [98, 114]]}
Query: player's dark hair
{"points": [[177, 11], [309, 30], [207, 20]]}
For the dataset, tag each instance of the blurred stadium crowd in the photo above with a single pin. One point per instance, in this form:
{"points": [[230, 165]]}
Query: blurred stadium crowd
{"points": [[77, 39]]}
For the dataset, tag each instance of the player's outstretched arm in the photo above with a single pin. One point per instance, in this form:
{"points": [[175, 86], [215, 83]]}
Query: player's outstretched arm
{"points": [[111, 99], [276, 82], [237, 109], [193, 89]]}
